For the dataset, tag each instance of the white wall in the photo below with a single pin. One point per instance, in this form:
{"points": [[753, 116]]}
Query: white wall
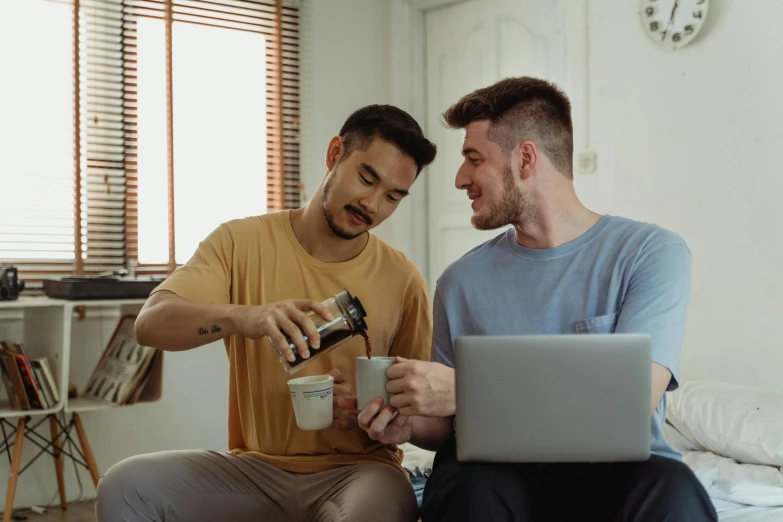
{"points": [[347, 64], [691, 140]]}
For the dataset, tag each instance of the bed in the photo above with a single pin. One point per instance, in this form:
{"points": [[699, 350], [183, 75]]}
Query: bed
{"points": [[730, 436], [752, 514]]}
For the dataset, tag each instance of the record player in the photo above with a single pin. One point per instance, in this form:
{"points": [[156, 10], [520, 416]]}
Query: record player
{"points": [[107, 285]]}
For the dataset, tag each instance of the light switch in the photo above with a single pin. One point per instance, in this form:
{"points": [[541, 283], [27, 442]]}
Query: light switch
{"points": [[586, 162]]}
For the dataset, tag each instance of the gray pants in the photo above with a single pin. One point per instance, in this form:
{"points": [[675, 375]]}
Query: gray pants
{"points": [[207, 486]]}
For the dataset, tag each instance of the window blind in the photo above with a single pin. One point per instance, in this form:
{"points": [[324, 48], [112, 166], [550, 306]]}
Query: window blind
{"points": [[70, 215], [79, 213], [102, 115], [283, 188]]}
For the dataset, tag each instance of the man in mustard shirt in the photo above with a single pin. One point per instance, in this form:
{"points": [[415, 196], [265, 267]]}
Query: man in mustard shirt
{"points": [[258, 277]]}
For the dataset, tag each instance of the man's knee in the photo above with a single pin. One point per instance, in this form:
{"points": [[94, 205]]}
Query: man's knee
{"points": [[463, 491], [398, 499], [122, 485], [476, 479], [375, 492], [119, 478], [675, 477], [675, 491]]}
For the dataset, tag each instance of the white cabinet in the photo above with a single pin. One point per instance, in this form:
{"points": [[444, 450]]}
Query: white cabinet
{"points": [[53, 328]]}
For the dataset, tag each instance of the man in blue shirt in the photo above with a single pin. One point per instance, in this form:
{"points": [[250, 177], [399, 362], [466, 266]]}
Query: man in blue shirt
{"points": [[561, 268]]}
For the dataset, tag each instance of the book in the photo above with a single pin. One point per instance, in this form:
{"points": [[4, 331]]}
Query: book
{"points": [[30, 384], [120, 374], [13, 400], [17, 395], [47, 386], [48, 374]]}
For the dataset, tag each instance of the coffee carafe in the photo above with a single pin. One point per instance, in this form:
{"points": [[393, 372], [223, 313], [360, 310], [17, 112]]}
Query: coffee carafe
{"points": [[347, 321]]}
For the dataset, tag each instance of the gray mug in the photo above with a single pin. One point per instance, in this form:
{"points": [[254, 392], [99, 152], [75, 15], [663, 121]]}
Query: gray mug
{"points": [[371, 379]]}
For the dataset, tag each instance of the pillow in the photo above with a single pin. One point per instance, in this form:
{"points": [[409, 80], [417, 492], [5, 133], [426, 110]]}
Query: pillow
{"points": [[742, 423]]}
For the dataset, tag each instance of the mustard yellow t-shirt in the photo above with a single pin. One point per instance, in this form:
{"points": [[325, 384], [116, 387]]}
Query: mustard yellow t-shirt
{"points": [[258, 260]]}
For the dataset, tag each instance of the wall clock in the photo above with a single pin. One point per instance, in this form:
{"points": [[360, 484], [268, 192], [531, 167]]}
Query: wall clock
{"points": [[673, 24]]}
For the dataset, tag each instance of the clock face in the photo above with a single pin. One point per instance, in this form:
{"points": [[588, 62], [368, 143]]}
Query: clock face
{"points": [[673, 23]]}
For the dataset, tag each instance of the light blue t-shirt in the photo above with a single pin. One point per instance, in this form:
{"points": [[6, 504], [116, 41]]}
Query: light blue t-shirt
{"points": [[620, 276]]}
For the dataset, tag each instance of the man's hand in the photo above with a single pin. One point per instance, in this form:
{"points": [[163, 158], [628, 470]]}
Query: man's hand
{"points": [[385, 424], [421, 388], [345, 411], [283, 318]]}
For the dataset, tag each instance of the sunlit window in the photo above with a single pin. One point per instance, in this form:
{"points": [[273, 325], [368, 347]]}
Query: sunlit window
{"points": [[219, 93], [36, 132]]}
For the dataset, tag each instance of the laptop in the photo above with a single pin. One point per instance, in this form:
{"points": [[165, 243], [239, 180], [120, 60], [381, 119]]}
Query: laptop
{"points": [[553, 398]]}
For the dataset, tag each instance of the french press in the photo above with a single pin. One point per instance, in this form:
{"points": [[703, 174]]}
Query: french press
{"points": [[347, 321]]}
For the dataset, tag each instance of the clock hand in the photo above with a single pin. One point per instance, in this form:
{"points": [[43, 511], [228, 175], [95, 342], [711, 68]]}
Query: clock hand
{"points": [[671, 19]]}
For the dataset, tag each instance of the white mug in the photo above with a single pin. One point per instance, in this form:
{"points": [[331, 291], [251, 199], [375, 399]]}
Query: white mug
{"points": [[371, 379], [312, 397]]}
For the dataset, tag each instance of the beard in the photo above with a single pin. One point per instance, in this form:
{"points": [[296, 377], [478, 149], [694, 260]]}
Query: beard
{"points": [[337, 229], [513, 208]]}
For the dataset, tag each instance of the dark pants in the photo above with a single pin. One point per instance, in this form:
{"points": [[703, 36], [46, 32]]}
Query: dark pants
{"points": [[657, 490]]}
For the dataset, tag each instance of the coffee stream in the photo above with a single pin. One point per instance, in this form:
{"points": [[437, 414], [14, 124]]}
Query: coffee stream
{"points": [[367, 345]]}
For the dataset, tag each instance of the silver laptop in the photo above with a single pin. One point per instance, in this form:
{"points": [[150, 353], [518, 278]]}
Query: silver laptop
{"points": [[553, 398]]}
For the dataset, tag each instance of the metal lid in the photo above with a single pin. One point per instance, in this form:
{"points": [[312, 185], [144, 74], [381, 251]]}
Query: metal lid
{"points": [[353, 307]]}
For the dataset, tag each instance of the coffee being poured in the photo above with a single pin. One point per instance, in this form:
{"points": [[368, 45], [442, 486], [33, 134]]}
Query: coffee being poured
{"points": [[367, 345], [347, 322]]}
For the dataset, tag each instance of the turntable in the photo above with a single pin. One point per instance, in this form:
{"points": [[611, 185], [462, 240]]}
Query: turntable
{"points": [[107, 285]]}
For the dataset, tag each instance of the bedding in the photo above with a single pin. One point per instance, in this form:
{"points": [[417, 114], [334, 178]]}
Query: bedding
{"points": [[728, 480], [752, 514], [739, 422], [732, 485]]}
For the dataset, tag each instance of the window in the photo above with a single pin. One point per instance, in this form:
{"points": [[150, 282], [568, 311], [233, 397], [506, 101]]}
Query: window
{"points": [[198, 95], [219, 133], [36, 136], [234, 132]]}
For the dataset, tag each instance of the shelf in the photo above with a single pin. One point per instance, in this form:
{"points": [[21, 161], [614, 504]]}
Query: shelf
{"points": [[80, 405], [83, 404], [6, 412], [32, 302], [47, 302], [72, 344], [103, 302]]}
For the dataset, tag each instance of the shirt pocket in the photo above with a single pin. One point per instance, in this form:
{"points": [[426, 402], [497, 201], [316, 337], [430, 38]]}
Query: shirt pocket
{"points": [[602, 324]]}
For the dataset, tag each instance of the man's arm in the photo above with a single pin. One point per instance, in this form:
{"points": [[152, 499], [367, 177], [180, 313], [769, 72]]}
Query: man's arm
{"points": [[387, 425], [661, 377], [170, 322], [431, 432], [192, 306], [656, 303]]}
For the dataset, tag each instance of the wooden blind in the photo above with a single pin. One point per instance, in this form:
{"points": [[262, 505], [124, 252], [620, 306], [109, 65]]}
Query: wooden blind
{"points": [[100, 233], [280, 26], [94, 227], [81, 229]]}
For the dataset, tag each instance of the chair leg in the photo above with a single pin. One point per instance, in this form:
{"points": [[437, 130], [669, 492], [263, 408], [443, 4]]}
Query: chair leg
{"points": [[58, 460], [13, 474], [96, 476]]}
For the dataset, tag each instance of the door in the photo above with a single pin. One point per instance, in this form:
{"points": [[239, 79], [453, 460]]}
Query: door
{"points": [[469, 45]]}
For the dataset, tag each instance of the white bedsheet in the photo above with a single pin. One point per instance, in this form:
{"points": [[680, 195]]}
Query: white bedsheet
{"points": [[752, 514], [726, 479]]}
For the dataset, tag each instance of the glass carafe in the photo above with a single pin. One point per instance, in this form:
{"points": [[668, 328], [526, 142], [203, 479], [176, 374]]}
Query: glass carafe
{"points": [[347, 321]]}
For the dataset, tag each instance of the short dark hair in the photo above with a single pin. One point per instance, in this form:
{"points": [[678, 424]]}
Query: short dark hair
{"points": [[519, 109], [391, 124]]}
